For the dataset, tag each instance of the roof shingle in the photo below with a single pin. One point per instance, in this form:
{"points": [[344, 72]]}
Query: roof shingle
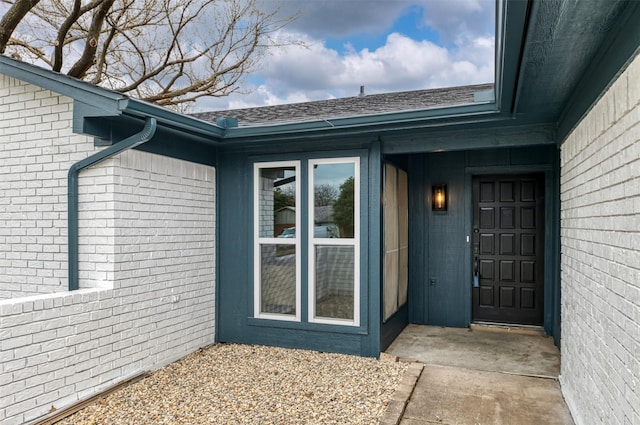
{"points": [[350, 106]]}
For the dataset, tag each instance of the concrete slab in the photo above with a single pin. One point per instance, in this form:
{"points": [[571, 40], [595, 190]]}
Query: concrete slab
{"points": [[449, 395], [507, 352]]}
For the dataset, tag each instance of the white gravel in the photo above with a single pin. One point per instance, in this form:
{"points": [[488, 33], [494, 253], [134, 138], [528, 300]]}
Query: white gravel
{"points": [[244, 384]]}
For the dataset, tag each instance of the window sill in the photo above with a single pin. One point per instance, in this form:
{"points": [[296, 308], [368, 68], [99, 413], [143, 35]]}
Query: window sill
{"points": [[306, 326]]}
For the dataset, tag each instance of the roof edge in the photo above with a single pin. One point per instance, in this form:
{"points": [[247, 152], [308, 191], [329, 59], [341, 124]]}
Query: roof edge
{"points": [[103, 102], [59, 83], [368, 123]]}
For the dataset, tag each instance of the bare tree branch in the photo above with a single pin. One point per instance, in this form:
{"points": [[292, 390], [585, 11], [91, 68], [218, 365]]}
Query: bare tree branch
{"points": [[12, 18], [83, 64], [62, 34], [34, 50], [170, 52]]}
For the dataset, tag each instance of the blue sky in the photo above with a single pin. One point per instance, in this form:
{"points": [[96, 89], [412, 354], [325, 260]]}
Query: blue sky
{"points": [[408, 24], [385, 45]]}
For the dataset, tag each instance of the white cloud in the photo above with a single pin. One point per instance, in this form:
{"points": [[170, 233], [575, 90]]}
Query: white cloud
{"points": [[339, 18], [459, 20], [296, 74], [299, 74], [401, 64]]}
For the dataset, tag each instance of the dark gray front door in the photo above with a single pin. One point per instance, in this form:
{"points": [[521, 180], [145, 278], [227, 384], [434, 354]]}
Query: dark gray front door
{"points": [[508, 248]]}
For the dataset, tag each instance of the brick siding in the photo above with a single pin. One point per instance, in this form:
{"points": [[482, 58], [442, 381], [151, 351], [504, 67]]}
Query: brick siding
{"points": [[600, 198], [147, 262], [37, 147]]}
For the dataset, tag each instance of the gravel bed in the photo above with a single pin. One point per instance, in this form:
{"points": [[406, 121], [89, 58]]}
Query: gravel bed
{"points": [[244, 384]]}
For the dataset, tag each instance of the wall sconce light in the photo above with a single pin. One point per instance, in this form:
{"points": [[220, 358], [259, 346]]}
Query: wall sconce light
{"points": [[439, 197]]}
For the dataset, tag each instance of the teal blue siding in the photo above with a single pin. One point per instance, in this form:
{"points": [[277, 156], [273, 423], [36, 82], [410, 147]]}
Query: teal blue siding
{"points": [[234, 318], [552, 297], [233, 246], [437, 247], [447, 280], [440, 256], [418, 240], [390, 329]]}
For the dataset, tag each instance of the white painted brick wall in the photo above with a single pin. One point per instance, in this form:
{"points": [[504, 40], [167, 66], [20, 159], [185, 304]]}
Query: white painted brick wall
{"points": [[600, 232], [37, 147], [147, 265], [58, 348], [97, 225]]}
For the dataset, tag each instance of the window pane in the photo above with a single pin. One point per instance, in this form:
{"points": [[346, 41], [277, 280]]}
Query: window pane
{"points": [[334, 284], [277, 202], [278, 279], [333, 198]]}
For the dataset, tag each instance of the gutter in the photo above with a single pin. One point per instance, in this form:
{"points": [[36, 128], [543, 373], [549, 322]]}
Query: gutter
{"points": [[378, 123], [72, 201]]}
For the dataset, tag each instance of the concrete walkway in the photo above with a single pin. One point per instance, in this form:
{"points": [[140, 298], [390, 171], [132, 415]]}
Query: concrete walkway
{"points": [[478, 377]]}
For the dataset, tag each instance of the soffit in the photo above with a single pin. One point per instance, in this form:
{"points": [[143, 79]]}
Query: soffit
{"points": [[563, 38]]}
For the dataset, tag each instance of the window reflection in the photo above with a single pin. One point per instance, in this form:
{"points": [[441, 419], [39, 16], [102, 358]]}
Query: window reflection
{"points": [[331, 219], [278, 279], [277, 201], [333, 198], [334, 285]]}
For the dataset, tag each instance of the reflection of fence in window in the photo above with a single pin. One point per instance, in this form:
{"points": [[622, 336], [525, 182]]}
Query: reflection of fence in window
{"points": [[278, 279], [334, 285]]}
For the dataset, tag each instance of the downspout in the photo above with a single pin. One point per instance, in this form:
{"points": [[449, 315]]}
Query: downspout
{"points": [[130, 142]]}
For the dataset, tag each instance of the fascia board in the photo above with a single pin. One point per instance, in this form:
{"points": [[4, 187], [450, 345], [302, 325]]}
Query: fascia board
{"points": [[364, 124], [172, 119], [64, 85], [512, 23], [94, 101]]}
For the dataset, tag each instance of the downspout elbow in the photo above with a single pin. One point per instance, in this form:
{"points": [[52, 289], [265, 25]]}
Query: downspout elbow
{"points": [[131, 142]]}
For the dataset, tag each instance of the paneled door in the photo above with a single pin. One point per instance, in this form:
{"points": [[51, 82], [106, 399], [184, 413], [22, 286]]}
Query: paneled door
{"points": [[508, 248]]}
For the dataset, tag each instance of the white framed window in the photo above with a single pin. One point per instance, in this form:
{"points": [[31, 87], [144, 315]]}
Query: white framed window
{"points": [[334, 241], [277, 240]]}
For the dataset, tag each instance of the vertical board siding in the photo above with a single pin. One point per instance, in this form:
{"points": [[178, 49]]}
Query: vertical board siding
{"points": [[448, 283], [418, 241], [236, 321], [437, 246]]}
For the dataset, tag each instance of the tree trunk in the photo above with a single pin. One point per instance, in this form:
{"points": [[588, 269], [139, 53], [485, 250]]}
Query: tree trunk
{"points": [[12, 18], [79, 69]]}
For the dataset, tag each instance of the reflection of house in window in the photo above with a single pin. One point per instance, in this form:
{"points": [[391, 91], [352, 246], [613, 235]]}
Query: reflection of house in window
{"points": [[285, 218], [324, 225], [331, 241], [277, 290]]}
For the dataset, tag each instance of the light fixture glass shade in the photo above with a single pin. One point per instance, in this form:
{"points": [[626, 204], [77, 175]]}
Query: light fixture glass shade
{"points": [[439, 197]]}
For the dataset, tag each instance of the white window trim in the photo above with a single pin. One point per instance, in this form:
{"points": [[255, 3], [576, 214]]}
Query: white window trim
{"points": [[257, 302], [355, 242]]}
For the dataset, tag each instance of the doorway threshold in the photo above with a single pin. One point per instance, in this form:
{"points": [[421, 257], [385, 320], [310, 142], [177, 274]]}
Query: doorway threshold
{"points": [[508, 327]]}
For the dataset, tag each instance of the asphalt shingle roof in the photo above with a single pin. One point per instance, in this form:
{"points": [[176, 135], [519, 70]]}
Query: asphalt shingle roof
{"points": [[350, 106]]}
